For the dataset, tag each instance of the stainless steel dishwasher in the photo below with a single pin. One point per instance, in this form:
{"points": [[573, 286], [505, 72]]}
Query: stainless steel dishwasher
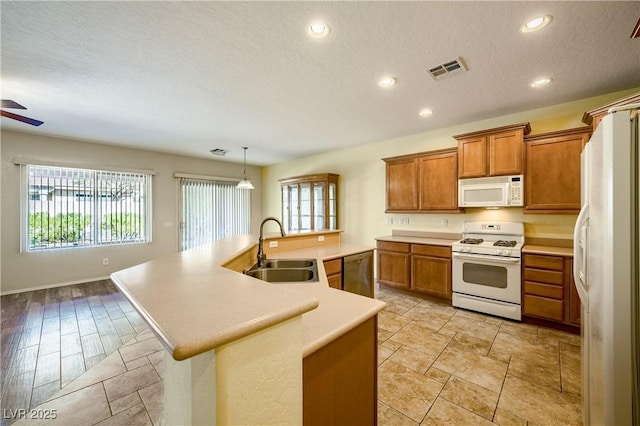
{"points": [[358, 273]]}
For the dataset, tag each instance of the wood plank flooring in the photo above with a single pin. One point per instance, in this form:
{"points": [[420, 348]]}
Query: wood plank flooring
{"points": [[50, 337]]}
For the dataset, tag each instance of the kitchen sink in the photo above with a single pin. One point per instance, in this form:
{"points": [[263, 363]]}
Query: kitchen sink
{"points": [[284, 275], [290, 263]]}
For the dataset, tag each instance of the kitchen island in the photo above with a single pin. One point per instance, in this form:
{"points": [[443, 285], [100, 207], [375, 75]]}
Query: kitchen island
{"points": [[235, 344]]}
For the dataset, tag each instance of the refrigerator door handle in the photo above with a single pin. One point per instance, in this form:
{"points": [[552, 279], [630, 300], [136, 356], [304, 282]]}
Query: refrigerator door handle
{"points": [[579, 256]]}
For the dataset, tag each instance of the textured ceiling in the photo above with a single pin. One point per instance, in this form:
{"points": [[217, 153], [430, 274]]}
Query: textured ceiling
{"points": [[189, 77]]}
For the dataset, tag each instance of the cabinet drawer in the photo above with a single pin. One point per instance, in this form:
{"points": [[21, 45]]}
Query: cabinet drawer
{"points": [[545, 290], [332, 267], [397, 247], [543, 276], [543, 262], [435, 251], [543, 307]]}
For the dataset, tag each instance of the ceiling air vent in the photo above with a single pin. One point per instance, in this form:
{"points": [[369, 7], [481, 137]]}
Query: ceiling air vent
{"points": [[219, 151], [447, 69]]}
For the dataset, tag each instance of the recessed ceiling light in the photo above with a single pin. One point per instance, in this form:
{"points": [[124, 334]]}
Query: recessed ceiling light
{"points": [[319, 29], [541, 82], [387, 82], [425, 112], [536, 23]]}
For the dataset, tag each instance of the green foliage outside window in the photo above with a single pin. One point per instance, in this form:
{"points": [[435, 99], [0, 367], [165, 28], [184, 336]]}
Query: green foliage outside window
{"points": [[68, 228], [124, 226]]}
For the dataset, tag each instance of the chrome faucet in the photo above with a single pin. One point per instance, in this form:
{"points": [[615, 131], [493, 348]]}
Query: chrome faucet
{"points": [[261, 256]]}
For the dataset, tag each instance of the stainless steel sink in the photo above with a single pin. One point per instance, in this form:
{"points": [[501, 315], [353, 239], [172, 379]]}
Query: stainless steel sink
{"points": [[283, 275], [290, 263]]}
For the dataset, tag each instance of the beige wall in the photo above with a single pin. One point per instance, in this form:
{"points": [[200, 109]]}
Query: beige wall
{"points": [[362, 177], [28, 270]]}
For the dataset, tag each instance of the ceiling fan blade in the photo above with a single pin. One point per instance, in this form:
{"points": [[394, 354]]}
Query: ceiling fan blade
{"points": [[22, 118], [8, 103]]}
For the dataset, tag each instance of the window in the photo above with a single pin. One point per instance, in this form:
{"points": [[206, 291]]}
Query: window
{"points": [[69, 207], [212, 210]]}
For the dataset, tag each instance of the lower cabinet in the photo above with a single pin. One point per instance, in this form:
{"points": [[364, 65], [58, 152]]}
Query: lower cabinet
{"points": [[333, 268], [431, 270], [394, 264], [339, 380], [549, 291], [421, 268]]}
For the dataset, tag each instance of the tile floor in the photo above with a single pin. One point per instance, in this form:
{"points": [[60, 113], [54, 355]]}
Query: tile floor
{"points": [[437, 365], [442, 365]]}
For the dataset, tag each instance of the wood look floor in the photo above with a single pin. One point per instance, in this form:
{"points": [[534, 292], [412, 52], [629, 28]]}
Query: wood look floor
{"points": [[51, 337]]}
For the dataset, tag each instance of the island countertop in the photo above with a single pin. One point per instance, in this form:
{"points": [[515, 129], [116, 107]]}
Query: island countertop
{"points": [[193, 304]]}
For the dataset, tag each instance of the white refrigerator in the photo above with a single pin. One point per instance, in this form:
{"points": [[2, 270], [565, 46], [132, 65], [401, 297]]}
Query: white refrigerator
{"points": [[606, 262]]}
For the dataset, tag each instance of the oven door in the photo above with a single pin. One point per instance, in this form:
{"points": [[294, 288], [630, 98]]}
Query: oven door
{"points": [[492, 277]]}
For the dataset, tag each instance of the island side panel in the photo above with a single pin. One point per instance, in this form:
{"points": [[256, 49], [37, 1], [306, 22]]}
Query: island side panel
{"points": [[259, 377], [340, 379]]}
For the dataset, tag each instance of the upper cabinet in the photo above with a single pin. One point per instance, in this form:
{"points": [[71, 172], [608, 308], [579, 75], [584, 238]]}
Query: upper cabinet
{"points": [[593, 117], [422, 183], [492, 152], [310, 202], [552, 171]]}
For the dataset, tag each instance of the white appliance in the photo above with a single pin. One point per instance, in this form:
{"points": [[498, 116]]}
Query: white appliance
{"points": [[486, 268], [497, 191], [606, 274]]}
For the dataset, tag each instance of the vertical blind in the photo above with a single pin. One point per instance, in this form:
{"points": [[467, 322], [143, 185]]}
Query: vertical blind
{"points": [[71, 207], [212, 210]]}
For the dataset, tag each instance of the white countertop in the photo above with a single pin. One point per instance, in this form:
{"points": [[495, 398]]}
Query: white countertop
{"points": [[417, 240], [194, 305], [548, 250]]}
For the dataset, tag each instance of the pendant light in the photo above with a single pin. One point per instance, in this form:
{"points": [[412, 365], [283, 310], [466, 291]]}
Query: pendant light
{"points": [[244, 183]]}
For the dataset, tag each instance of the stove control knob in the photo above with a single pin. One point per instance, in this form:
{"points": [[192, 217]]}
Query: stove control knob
{"points": [[498, 252], [507, 252]]}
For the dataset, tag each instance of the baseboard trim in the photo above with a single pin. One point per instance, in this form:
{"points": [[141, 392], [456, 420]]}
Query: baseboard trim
{"points": [[46, 286]]}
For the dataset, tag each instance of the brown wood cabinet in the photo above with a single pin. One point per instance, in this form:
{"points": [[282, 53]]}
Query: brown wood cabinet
{"points": [[552, 171], [549, 291], [402, 184], [593, 117], [310, 202], [425, 182], [333, 269], [421, 268], [492, 152], [394, 264], [431, 270], [339, 380]]}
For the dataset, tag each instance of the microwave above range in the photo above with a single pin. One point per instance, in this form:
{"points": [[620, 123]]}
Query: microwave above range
{"points": [[498, 191]]}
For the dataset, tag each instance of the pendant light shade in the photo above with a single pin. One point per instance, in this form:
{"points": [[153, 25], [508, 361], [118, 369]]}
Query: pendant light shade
{"points": [[244, 183]]}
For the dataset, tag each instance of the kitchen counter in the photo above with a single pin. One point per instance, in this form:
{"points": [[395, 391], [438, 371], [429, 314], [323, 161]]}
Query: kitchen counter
{"points": [[193, 304], [339, 311], [548, 250], [417, 240]]}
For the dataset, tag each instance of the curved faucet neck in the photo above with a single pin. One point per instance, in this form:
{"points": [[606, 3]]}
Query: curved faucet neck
{"points": [[261, 256]]}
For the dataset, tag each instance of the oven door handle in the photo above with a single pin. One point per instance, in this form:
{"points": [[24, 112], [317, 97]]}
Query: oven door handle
{"points": [[485, 257]]}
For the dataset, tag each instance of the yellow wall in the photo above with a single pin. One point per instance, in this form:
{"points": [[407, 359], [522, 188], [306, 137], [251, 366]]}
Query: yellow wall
{"points": [[362, 177]]}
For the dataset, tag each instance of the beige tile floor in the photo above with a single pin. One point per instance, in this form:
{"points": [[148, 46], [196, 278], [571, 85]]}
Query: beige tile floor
{"points": [[437, 365], [442, 365]]}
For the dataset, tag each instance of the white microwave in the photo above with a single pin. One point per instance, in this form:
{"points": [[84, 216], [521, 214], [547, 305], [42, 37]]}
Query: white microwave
{"points": [[498, 191]]}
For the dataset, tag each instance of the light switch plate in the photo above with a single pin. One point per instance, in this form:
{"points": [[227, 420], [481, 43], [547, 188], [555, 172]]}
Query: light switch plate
{"points": [[273, 244]]}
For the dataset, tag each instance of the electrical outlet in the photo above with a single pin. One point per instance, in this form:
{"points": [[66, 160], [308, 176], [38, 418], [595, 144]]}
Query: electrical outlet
{"points": [[273, 244], [320, 237], [444, 222], [389, 221], [403, 221], [105, 261]]}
